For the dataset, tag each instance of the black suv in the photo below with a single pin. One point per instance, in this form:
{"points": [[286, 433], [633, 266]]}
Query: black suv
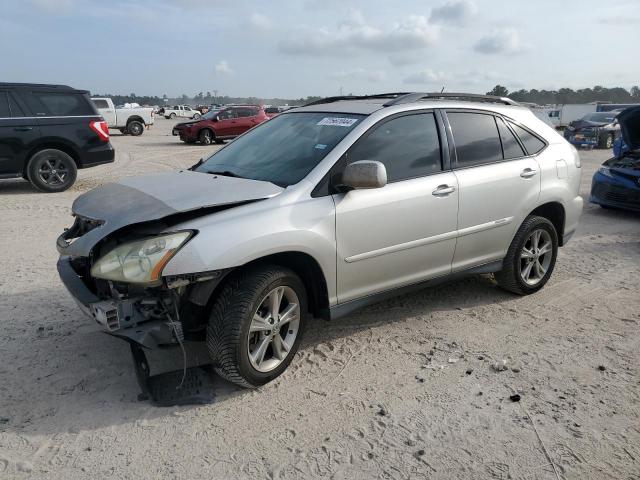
{"points": [[47, 132]]}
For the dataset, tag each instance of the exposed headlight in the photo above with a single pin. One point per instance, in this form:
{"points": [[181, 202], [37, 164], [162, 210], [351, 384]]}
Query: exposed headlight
{"points": [[606, 171], [141, 261]]}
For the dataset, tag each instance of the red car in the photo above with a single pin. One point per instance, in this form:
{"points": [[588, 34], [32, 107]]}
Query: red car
{"points": [[219, 125]]}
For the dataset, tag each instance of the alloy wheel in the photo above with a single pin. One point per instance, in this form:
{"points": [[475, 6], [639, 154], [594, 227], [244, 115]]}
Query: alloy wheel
{"points": [[53, 171], [274, 328], [536, 256]]}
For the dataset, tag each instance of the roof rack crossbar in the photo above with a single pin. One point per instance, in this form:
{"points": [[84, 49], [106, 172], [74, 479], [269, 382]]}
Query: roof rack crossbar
{"points": [[415, 97], [392, 95]]}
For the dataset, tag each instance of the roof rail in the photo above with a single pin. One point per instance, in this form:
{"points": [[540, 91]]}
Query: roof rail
{"points": [[392, 95], [469, 97]]}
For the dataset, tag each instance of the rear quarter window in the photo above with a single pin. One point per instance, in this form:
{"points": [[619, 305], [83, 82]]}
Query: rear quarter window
{"points": [[531, 143], [59, 104], [101, 103]]}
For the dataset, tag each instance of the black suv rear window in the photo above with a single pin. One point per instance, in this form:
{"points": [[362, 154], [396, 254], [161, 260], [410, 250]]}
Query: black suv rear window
{"points": [[58, 103], [4, 106]]}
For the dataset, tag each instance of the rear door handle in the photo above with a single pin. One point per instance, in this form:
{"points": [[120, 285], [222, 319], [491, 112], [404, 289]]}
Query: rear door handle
{"points": [[528, 173], [443, 190], [23, 129]]}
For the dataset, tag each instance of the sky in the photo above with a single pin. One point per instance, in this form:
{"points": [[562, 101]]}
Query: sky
{"points": [[297, 48]]}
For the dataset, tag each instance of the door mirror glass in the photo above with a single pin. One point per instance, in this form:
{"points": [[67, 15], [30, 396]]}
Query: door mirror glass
{"points": [[364, 174], [216, 118]]}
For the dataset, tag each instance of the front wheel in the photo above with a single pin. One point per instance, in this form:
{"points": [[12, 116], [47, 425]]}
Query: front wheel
{"points": [[531, 257], [196, 116], [256, 324], [205, 137], [172, 116], [51, 170]]}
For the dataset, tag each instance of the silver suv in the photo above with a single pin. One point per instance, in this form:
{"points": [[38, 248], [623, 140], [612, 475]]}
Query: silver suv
{"points": [[319, 211]]}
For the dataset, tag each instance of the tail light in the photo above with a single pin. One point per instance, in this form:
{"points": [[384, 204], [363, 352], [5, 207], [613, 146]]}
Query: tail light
{"points": [[101, 129]]}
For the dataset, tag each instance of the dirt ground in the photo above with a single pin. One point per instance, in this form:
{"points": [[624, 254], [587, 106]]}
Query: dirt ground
{"points": [[403, 389]]}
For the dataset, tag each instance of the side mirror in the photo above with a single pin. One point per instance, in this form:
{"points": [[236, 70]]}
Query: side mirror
{"points": [[216, 118], [364, 174]]}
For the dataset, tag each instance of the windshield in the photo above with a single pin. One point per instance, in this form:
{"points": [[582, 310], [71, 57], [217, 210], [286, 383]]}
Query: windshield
{"points": [[210, 114], [284, 149], [602, 117]]}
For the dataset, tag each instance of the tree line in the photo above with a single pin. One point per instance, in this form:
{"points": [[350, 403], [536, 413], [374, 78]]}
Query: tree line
{"points": [[202, 98], [567, 95]]}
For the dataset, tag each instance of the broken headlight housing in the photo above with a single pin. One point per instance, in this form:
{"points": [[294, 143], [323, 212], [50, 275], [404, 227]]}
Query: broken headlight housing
{"points": [[141, 261]]}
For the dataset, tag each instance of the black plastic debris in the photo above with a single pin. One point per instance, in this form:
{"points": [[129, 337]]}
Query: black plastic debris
{"points": [[602, 368], [515, 397], [192, 386]]}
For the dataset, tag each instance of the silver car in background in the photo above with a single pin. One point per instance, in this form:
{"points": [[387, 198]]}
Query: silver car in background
{"points": [[320, 211]]}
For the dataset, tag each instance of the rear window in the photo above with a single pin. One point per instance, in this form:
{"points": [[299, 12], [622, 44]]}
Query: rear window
{"points": [[510, 145], [59, 104], [531, 143], [101, 103]]}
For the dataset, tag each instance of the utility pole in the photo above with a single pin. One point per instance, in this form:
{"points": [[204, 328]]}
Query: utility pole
{"points": [[340, 90], [215, 96]]}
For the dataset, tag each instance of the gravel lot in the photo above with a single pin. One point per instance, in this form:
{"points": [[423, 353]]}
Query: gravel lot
{"points": [[403, 389]]}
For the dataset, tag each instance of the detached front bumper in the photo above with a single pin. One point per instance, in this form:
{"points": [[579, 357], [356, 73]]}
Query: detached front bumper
{"points": [[121, 318]]}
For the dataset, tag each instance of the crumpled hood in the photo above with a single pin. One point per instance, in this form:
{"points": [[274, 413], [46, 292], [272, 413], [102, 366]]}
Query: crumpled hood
{"points": [[579, 124], [186, 124], [154, 197], [629, 121]]}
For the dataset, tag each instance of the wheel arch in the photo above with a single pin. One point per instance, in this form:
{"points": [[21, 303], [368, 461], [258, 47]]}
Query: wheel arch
{"points": [[57, 145], [555, 213], [135, 118], [303, 265]]}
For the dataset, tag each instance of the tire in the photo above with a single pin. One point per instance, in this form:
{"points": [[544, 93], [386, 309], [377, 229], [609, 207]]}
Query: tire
{"points": [[522, 253], [229, 340], [206, 137], [606, 141], [135, 128], [172, 116], [196, 116], [51, 170]]}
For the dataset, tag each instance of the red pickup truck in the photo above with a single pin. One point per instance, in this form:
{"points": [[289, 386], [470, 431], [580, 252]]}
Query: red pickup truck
{"points": [[219, 125]]}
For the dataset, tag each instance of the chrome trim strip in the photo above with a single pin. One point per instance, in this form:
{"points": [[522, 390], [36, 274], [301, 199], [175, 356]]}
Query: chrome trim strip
{"points": [[429, 240]]}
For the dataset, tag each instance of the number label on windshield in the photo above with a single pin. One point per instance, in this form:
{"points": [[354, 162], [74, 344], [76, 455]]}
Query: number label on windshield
{"points": [[337, 121]]}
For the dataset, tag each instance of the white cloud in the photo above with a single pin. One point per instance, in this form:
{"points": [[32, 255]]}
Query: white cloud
{"points": [[454, 12], [360, 74], [355, 33], [426, 76], [502, 40], [223, 68], [260, 22]]}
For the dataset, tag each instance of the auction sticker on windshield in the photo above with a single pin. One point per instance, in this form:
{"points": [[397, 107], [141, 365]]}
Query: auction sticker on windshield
{"points": [[337, 121]]}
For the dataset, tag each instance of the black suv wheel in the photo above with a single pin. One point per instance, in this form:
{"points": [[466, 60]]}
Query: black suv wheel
{"points": [[51, 170]]}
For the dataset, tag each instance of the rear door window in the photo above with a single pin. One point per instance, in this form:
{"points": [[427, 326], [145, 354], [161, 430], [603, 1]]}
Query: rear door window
{"points": [[476, 138], [510, 146], [58, 104], [532, 143], [408, 146], [4, 105]]}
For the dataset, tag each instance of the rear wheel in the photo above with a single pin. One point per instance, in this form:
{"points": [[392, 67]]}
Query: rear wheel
{"points": [[51, 170], [135, 128], [196, 116], [256, 324], [172, 116], [531, 257], [205, 137]]}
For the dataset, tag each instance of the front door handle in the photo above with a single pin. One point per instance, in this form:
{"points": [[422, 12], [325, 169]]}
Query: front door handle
{"points": [[23, 129], [443, 190], [528, 173]]}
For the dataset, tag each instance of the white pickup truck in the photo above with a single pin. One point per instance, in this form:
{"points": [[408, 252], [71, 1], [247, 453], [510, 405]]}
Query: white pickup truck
{"points": [[127, 120], [184, 111]]}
